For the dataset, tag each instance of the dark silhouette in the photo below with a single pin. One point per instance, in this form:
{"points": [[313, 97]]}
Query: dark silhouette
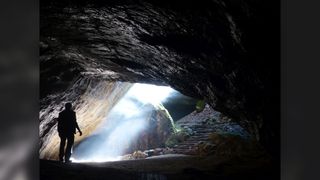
{"points": [[67, 125]]}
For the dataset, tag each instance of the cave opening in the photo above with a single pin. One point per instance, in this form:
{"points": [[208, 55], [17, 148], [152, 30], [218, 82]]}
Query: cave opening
{"points": [[92, 53], [142, 120]]}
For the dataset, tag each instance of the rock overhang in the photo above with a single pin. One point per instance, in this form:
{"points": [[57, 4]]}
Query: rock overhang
{"points": [[209, 51]]}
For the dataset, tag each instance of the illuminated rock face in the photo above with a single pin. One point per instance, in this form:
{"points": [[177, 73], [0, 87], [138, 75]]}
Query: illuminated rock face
{"points": [[115, 117], [157, 131], [120, 135], [225, 52], [92, 101], [138, 121]]}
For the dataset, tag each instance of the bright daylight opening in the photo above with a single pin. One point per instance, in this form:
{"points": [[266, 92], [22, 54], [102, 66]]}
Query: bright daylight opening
{"points": [[127, 127]]}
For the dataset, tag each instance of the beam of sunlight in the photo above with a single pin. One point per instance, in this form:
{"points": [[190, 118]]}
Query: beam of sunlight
{"points": [[152, 94], [123, 124]]}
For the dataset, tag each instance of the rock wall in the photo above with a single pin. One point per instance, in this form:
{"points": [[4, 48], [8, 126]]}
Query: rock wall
{"points": [[226, 52], [92, 100], [160, 127]]}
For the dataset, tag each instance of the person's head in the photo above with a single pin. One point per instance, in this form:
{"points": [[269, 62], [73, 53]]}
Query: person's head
{"points": [[68, 106]]}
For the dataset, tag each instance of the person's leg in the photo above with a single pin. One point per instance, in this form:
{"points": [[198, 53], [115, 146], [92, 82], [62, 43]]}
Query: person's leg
{"points": [[62, 144], [70, 139]]}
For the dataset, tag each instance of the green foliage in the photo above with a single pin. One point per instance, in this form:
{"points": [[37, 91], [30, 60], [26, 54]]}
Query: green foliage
{"points": [[200, 105], [167, 114]]}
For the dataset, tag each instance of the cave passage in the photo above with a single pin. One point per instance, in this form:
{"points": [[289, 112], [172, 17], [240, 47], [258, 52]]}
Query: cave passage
{"points": [[225, 53], [142, 119]]}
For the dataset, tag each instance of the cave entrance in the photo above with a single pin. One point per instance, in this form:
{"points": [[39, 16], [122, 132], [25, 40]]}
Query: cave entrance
{"points": [[142, 120]]}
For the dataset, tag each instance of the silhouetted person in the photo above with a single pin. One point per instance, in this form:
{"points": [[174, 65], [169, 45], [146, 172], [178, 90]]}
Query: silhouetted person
{"points": [[67, 125]]}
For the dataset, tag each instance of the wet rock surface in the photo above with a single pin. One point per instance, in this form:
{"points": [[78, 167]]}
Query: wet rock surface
{"points": [[225, 52]]}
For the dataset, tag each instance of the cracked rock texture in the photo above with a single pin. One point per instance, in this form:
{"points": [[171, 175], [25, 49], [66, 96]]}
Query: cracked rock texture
{"points": [[226, 52]]}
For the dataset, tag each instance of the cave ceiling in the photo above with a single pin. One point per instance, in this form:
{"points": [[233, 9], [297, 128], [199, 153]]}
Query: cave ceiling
{"points": [[225, 52]]}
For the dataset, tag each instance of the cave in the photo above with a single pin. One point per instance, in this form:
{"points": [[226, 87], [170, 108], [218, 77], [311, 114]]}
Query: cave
{"points": [[161, 89]]}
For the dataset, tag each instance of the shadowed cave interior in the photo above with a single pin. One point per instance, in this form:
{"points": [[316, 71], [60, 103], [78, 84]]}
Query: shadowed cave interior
{"points": [[161, 89]]}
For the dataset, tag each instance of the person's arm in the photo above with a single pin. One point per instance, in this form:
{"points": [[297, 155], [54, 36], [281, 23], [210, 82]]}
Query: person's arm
{"points": [[59, 123], [77, 126]]}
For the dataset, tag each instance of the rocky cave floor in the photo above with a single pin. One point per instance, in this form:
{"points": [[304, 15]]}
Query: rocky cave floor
{"points": [[209, 148], [171, 167]]}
